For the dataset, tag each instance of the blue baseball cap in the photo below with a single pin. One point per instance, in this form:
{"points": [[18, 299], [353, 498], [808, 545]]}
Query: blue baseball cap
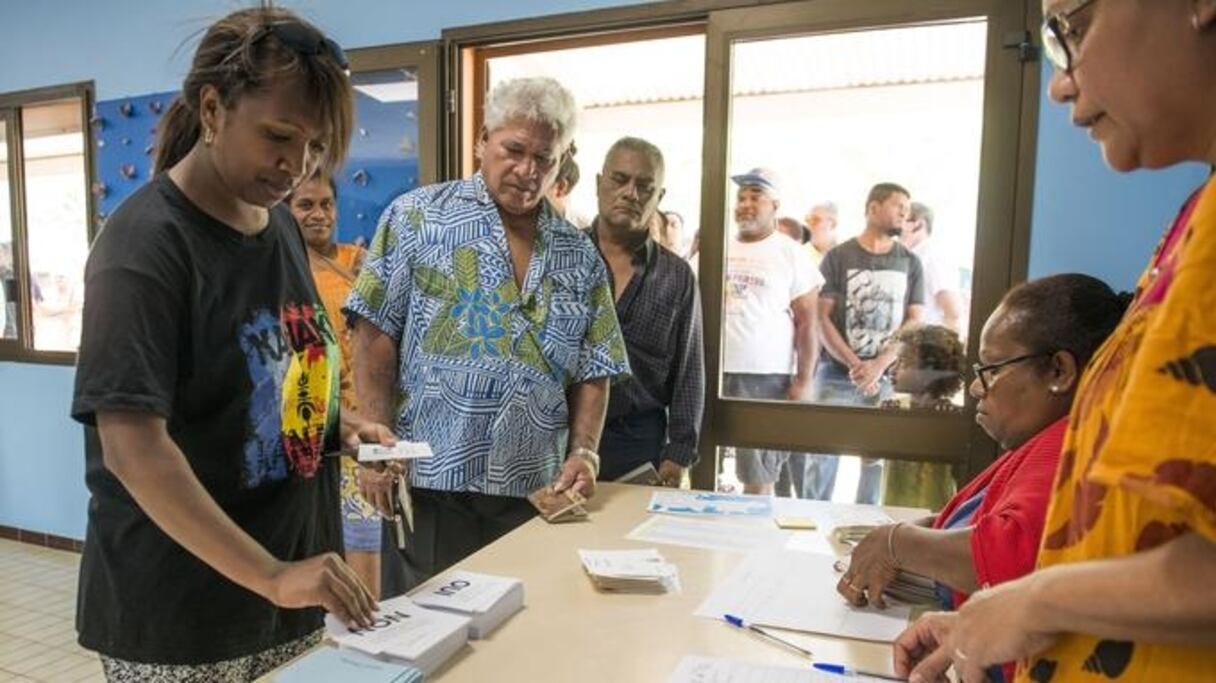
{"points": [[763, 178]]}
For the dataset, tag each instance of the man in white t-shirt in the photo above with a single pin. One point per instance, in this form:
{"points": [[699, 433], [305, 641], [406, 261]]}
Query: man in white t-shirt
{"points": [[943, 294], [771, 339]]}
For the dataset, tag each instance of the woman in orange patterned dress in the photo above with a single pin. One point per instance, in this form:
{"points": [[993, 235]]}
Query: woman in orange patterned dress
{"points": [[1130, 538]]}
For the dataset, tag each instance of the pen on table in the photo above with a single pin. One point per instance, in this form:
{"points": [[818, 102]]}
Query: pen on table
{"points": [[849, 671], [739, 622]]}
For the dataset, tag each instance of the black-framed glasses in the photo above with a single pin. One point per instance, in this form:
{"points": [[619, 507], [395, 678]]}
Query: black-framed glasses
{"points": [[304, 40], [1059, 33], [985, 372]]}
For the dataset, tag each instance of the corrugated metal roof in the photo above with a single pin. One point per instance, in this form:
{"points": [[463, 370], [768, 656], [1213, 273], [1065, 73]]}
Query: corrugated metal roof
{"points": [[673, 69]]}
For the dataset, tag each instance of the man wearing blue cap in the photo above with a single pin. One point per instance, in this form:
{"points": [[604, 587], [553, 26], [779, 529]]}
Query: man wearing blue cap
{"points": [[771, 341]]}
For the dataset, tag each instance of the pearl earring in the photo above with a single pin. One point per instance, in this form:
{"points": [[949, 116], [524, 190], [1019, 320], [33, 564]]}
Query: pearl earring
{"points": [[208, 136]]}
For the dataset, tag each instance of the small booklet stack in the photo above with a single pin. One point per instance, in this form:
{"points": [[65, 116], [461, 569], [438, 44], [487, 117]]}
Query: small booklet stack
{"points": [[912, 589], [630, 571], [485, 600], [327, 664], [406, 633]]}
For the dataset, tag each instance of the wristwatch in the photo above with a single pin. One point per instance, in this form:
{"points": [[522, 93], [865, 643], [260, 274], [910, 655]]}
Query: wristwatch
{"points": [[590, 455]]}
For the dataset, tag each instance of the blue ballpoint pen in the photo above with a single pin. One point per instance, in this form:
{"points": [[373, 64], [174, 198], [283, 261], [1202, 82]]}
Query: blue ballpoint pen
{"points": [[848, 671], [739, 622]]}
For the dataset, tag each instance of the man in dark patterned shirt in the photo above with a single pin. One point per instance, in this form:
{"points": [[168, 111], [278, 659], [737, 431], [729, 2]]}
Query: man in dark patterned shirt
{"points": [[655, 415]]}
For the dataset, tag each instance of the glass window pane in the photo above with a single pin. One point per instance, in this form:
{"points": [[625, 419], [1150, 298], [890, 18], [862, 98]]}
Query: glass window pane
{"points": [[56, 209], [816, 156], [840, 478], [8, 280], [383, 159]]}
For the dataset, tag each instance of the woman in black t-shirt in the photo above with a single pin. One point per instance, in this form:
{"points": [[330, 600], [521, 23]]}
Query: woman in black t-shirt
{"points": [[211, 373]]}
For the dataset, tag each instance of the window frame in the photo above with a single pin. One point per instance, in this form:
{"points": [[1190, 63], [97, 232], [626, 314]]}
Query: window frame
{"points": [[1002, 233], [1003, 249], [424, 58], [21, 350]]}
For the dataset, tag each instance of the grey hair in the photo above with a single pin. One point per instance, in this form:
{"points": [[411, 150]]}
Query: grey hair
{"points": [[830, 207], [921, 212], [652, 152], [542, 100]]}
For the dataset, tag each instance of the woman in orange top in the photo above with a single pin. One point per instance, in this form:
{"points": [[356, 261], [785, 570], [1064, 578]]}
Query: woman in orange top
{"points": [[1131, 530], [334, 268]]}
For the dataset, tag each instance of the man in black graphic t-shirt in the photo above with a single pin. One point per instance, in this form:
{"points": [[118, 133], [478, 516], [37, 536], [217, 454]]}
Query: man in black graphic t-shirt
{"points": [[873, 286]]}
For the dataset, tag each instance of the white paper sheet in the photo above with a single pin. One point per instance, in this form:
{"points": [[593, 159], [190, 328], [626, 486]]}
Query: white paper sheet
{"points": [[810, 542], [710, 504], [403, 450], [707, 533], [718, 670], [798, 591]]}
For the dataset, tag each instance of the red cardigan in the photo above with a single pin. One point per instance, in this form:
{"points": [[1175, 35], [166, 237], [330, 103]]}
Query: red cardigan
{"points": [[1009, 522]]}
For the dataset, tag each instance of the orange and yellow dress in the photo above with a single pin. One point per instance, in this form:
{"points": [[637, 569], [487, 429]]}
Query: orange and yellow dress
{"points": [[1138, 467]]}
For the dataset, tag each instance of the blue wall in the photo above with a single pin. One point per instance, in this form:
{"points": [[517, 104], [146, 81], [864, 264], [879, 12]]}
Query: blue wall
{"points": [[1090, 219], [1086, 218], [135, 47], [41, 451]]}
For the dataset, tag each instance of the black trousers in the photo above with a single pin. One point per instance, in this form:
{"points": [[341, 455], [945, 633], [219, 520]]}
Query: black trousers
{"points": [[631, 440], [448, 527]]}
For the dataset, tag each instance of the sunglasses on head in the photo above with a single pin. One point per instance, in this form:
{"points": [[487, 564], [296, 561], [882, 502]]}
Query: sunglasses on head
{"points": [[304, 40]]}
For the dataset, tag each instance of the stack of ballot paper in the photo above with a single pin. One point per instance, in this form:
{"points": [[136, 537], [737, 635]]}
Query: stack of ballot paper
{"points": [[406, 633], [632, 571], [327, 664], [912, 589], [485, 600]]}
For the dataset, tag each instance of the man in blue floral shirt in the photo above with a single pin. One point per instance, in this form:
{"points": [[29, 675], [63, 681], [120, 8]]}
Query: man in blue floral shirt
{"points": [[484, 325]]}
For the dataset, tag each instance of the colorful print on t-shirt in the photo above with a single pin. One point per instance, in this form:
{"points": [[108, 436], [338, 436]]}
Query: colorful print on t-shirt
{"points": [[292, 365]]}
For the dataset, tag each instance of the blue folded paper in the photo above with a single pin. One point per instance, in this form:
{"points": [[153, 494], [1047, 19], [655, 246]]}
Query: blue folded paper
{"points": [[328, 664]]}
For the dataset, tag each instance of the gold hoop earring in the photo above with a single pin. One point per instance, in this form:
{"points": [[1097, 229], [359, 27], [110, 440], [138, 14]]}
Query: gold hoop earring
{"points": [[208, 136]]}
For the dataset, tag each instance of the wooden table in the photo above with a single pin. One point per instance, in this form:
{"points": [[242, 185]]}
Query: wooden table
{"points": [[568, 631]]}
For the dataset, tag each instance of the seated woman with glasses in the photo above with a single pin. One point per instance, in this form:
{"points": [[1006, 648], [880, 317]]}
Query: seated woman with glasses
{"points": [[1032, 350]]}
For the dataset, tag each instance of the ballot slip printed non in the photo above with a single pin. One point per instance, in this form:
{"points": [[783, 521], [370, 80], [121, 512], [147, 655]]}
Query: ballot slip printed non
{"points": [[486, 600], [405, 632]]}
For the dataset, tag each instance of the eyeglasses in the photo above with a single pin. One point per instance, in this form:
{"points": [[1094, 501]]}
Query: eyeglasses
{"points": [[986, 373], [304, 40], [1058, 33]]}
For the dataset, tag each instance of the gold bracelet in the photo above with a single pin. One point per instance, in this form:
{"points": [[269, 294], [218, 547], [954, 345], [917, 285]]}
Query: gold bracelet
{"points": [[891, 544]]}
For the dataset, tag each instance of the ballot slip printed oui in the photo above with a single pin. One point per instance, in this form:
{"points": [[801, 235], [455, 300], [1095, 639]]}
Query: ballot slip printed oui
{"points": [[487, 600]]}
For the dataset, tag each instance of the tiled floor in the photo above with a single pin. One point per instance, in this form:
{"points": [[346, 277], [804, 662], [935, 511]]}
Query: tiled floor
{"points": [[37, 609]]}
